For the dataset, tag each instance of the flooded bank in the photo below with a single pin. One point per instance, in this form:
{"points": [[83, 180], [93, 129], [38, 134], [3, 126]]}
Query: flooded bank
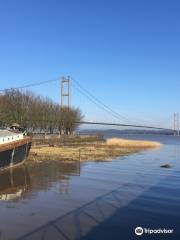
{"points": [[93, 200], [93, 151]]}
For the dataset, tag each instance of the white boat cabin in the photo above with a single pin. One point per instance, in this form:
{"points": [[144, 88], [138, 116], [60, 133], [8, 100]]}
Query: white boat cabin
{"points": [[7, 136]]}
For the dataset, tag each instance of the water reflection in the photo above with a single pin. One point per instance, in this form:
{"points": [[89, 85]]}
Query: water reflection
{"points": [[44, 175], [22, 182], [14, 183], [177, 152]]}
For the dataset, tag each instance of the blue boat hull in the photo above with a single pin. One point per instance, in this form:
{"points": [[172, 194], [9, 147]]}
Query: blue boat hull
{"points": [[15, 153]]}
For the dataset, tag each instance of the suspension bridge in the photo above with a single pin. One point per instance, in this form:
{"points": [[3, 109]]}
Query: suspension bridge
{"points": [[65, 92]]}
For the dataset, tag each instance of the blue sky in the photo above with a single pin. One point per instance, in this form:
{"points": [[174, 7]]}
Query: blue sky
{"points": [[127, 53]]}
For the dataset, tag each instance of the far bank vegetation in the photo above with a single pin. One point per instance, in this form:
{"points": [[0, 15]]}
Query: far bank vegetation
{"points": [[35, 112]]}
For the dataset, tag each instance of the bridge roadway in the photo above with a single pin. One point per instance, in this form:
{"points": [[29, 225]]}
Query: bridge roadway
{"points": [[124, 125]]}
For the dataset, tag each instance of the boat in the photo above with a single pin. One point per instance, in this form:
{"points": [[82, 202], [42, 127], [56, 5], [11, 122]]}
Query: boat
{"points": [[14, 147]]}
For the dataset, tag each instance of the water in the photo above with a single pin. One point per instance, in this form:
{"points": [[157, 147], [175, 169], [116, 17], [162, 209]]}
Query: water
{"points": [[94, 200]]}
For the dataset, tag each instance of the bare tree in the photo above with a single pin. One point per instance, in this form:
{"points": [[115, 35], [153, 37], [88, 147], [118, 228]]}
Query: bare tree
{"points": [[37, 113]]}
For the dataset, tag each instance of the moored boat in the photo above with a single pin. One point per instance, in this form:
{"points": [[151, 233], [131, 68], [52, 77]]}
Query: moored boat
{"points": [[14, 147]]}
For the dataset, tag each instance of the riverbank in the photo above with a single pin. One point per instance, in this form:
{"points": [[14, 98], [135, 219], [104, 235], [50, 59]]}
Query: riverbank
{"points": [[94, 151]]}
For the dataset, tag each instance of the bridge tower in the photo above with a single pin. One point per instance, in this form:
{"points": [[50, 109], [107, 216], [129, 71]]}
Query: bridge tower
{"points": [[176, 124], [65, 91]]}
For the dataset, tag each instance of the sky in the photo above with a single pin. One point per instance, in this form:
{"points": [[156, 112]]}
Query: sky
{"points": [[126, 53]]}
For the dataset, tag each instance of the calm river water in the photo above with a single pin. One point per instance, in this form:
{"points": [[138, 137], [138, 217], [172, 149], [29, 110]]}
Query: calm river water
{"points": [[94, 200]]}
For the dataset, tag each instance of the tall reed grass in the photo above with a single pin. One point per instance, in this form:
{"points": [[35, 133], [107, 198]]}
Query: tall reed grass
{"points": [[119, 142]]}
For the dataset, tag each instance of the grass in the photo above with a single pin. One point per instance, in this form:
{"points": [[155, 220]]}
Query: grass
{"points": [[91, 151], [132, 143]]}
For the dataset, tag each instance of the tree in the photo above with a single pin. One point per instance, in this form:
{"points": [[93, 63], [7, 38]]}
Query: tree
{"points": [[37, 113]]}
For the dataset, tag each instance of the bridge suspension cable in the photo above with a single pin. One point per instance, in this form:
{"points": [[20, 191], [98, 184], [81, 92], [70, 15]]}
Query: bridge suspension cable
{"points": [[101, 105], [98, 102], [94, 102], [31, 84]]}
